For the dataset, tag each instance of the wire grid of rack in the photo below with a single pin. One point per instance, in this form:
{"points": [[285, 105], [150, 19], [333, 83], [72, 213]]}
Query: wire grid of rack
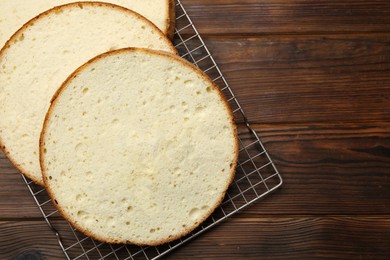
{"points": [[256, 175]]}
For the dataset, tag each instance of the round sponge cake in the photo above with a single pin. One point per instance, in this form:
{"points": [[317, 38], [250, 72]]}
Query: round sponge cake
{"points": [[15, 13], [138, 146], [44, 52]]}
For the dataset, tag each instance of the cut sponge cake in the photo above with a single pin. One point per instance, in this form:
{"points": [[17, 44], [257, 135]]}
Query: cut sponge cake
{"points": [[15, 13], [138, 147], [42, 54]]}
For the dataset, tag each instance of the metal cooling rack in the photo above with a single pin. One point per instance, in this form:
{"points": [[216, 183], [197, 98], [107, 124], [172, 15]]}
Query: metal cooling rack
{"points": [[256, 174]]}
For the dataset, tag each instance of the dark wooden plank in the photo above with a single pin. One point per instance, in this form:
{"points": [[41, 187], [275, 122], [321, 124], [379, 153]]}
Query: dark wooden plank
{"points": [[328, 169], [299, 79], [21, 240], [293, 238], [15, 199], [248, 238], [288, 17]]}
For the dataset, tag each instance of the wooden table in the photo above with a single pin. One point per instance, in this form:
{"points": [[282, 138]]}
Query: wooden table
{"points": [[314, 80]]}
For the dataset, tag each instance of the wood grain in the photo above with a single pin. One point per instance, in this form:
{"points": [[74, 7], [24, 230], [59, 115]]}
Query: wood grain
{"points": [[329, 169], [293, 238], [268, 238], [288, 17], [15, 199], [337, 78], [22, 240]]}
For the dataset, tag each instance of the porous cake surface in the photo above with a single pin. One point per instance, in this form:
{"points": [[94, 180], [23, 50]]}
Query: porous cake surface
{"points": [[138, 147], [15, 13], [39, 58]]}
